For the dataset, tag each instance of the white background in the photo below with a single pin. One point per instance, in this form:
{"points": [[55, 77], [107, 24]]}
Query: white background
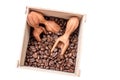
{"points": [[100, 53]]}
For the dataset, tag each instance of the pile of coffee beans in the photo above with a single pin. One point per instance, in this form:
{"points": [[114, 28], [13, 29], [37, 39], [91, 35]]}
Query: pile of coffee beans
{"points": [[38, 53]]}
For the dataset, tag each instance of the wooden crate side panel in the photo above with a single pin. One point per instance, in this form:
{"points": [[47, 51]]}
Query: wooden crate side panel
{"points": [[60, 14], [77, 70], [25, 44]]}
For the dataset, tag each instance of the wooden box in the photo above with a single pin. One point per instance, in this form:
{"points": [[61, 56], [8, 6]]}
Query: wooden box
{"points": [[55, 14]]}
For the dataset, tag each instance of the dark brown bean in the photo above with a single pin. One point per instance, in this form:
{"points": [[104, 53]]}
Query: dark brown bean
{"points": [[45, 56], [42, 49], [32, 60], [39, 61], [46, 48], [32, 48], [35, 55], [54, 54], [47, 67], [51, 63], [46, 63], [70, 54], [38, 53], [61, 68], [55, 50], [70, 61]]}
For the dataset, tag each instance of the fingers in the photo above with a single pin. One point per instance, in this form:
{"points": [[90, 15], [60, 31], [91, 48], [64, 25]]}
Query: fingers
{"points": [[54, 45]]}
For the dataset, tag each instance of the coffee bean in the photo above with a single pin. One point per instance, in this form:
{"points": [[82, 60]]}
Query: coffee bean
{"points": [[49, 39], [54, 54], [32, 60], [70, 54], [60, 24], [55, 36], [30, 64], [38, 53], [47, 18], [68, 64], [61, 57], [51, 63], [55, 50], [74, 55], [66, 55], [46, 51], [28, 60], [38, 43], [57, 69], [39, 61], [56, 19], [50, 58], [42, 64], [32, 48], [71, 70], [75, 47], [44, 39], [44, 36], [35, 43], [28, 53], [38, 57], [70, 61], [52, 18], [41, 56], [49, 33], [46, 64], [45, 56], [67, 59], [35, 64], [32, 43], [43, 60], [38, 65], [39, 46], [60, 62], [75, 40], [57, 65], [47, 67], [66, 67], [42, 49], [65, 70], [58, 59], [52, 68], [46, 47], [59, 33], [35, 55], [73, 51], [61, 68], [48, 54], [50, 46], [26, 64]]}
